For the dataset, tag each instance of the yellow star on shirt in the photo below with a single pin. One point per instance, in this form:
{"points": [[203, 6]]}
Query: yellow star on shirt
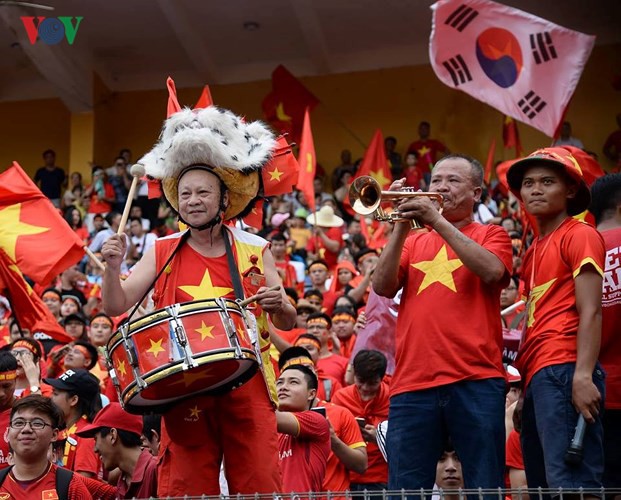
{"points": [[275, 175], [423, 151], [156, 347], [438, 270], [195, 411], [535, 295], [205, 331], [121, 368], [379, 177], [12, 228], [205, 290]]}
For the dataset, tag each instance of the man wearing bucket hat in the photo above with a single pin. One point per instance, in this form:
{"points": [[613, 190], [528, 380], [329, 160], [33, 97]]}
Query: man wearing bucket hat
{"points": [[562, 272], [327, 238], [209, 162]]}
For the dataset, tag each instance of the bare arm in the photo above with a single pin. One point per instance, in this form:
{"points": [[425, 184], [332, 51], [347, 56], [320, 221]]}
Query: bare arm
{"points": [[276, 303], [286, 423], [517, 478], [119, 296], [386, 275], [354, 459], [279, 343], [586, 397]]}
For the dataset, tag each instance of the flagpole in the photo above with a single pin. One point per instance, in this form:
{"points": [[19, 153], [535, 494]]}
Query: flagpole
{"points": [[94, 258]]}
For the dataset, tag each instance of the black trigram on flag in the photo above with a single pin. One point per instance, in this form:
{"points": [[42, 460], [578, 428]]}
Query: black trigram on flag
{"points": [[458, 69], [531, 104], [542, 47], [461, 17]]}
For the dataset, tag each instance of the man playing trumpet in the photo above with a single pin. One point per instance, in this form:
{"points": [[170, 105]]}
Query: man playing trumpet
{"points": [[449, 378]]}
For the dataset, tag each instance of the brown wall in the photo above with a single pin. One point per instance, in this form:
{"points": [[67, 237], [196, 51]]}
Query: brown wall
{"points": [[353, 104]]}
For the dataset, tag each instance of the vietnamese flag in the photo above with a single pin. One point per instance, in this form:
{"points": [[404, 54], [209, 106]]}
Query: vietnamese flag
{"points": [[375, 163], [308, 163], [489, 164], [32, 232], [28, 308], [280, 175], [285, 105], [511, 136]]}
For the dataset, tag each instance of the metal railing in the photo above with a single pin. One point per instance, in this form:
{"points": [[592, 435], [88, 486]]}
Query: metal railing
{"points": [[422, 494]]}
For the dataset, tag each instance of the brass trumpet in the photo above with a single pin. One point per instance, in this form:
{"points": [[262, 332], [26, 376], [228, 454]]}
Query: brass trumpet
{"points": [[366, 197]]}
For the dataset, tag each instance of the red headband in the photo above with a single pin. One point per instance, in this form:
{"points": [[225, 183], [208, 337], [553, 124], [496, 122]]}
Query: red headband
{"points": [[26, 345], [8, 375]]}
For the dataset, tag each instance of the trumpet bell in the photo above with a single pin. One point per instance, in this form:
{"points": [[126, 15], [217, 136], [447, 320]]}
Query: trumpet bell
{"points": [[365, 195]]}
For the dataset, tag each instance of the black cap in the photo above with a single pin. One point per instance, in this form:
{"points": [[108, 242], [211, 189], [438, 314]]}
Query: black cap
{"points": [[83, 383], [75, 317]]}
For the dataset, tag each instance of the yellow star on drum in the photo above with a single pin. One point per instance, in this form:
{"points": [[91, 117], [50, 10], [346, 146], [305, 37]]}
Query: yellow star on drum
{"points": [[120, 367], [205, 289], [242, 333], [438, 270], [156, 347], [205, 331]]}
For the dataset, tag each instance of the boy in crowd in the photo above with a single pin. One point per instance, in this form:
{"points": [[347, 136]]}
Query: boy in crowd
{"points": [[118, 441], [304, 435], [562, 271], [368, 400]]}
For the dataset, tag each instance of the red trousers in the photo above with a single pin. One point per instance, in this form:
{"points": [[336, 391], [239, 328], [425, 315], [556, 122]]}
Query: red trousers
{"points": [[197, 434]]}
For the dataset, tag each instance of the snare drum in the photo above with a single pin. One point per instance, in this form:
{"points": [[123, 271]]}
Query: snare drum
{"points": [[180, 351]]}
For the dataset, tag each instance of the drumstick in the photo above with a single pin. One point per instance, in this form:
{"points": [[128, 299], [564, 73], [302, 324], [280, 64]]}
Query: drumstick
{"points": [[137, 172], [252, 298]]}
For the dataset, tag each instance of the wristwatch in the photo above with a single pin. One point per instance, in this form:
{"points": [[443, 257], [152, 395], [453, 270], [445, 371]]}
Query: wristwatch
{"points": [[34, 389]]}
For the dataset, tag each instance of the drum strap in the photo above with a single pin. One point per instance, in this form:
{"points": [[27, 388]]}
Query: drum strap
{"points": [[235, 277], [182, 240]]}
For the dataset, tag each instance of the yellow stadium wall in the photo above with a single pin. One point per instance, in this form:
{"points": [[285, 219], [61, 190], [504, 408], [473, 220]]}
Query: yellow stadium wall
{"points": [[353, 104]]}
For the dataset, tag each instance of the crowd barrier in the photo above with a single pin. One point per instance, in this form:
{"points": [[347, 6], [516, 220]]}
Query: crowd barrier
{"points": [[460, 494]]}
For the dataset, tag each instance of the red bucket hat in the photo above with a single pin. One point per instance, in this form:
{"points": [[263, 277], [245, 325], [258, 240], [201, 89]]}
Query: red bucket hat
{"points": [[560, 157]]}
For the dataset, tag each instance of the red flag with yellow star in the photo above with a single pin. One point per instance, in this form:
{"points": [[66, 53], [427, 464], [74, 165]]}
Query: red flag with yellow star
{"points": [[511, 136], [375, 162], [308, 162], [32, 232], [284, 106], [280, 175], [28, 308]]}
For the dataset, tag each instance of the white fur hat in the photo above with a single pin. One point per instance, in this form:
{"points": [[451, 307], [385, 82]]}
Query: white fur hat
{"points": [[234, 150]]}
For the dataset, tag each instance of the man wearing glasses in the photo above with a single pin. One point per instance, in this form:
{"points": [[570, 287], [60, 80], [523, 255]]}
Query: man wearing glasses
{"points": [[34, 425]]}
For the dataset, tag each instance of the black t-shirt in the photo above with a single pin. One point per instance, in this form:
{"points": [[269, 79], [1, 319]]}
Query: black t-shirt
{"points": [[51, 181]]}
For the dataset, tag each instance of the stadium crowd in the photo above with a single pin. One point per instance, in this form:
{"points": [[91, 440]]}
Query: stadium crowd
{"points": [[457, 355]]}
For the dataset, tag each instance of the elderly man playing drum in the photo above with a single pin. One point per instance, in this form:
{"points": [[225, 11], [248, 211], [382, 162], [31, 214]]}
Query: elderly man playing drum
{"points": [[449, 378], [209, 163]]}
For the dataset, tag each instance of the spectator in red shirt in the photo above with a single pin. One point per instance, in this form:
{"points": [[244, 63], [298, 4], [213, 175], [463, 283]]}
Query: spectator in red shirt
{"points": [[285, 269], [327, 239], [76, 393], [8, 375], [319, 325], [304, 435], [100, 193], [606, 207], [449, 333], [427, 150], [35, 423], [367, 400], [118, 441], [562, 271]]}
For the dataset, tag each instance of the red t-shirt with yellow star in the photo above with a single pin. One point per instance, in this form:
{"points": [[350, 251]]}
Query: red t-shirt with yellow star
{"points": [[427, 152], [552, 316], [448, 328]]}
